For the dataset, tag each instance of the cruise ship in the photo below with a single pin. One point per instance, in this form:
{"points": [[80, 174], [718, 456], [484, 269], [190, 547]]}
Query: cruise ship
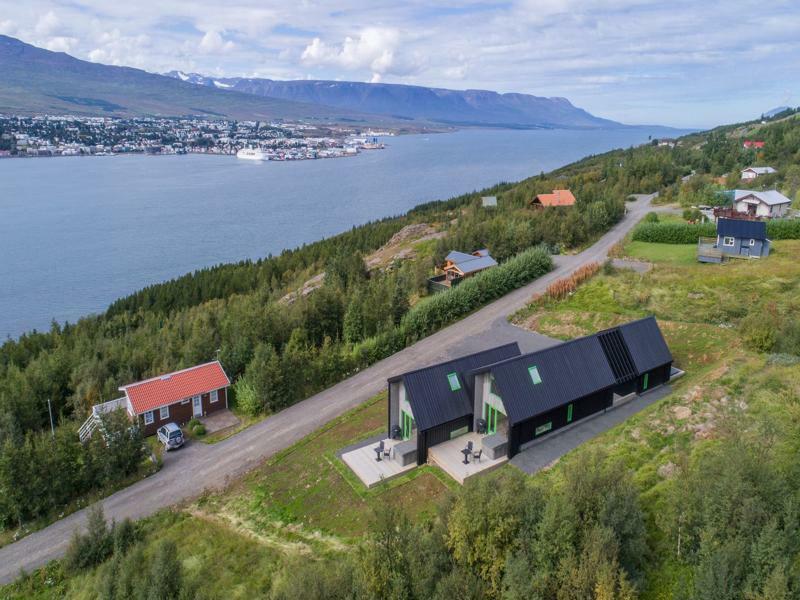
{"points": [[251, 154]]}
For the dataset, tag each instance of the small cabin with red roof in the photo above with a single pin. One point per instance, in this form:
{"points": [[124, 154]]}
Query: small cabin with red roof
{"points": [[753, 144], [170, 398], [557, 198]]}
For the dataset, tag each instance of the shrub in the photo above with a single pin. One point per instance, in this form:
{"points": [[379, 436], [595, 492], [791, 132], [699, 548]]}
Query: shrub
{"points": [[673, 233], [651, 217], [93, 547], [759, 331], [199, 429], [688, 233]]}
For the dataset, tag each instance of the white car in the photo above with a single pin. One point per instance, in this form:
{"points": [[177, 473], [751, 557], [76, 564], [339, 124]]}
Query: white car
{"points": [[170, 435]]}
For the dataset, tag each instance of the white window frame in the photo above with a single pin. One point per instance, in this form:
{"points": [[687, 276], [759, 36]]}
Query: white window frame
{"points": [[149, 417], [752, 242], [213, 396], [732, 241], [161, 414], [186, 401]]}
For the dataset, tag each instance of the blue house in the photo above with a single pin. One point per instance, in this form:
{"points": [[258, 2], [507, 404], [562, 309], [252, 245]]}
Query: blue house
{"points": [[735, 237]]}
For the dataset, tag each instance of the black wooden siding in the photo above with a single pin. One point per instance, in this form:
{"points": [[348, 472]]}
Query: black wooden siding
{"points": [[436, 435], [525, 431], [656, 377]]}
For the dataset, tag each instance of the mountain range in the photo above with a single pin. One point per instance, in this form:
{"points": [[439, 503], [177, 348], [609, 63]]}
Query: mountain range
{"points": [[410, 102], [34, 80]]}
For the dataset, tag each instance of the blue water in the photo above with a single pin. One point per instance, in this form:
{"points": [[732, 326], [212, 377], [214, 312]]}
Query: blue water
{"points": [[77, 233]]}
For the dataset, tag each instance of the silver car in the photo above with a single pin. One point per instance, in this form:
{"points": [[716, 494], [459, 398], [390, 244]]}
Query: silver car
{"points": [[170, 435]]}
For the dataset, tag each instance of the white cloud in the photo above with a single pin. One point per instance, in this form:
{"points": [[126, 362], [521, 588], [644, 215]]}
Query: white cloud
{"points": [[213, 42], [47, 24], [61, 43], [8, 27], [374, 49]]}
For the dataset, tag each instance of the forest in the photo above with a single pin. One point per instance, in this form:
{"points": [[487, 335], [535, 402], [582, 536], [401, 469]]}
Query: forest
{"points": [[279, 352]]}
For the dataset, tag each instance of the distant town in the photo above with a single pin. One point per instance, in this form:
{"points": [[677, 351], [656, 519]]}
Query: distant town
{"points": [[71, 135]]}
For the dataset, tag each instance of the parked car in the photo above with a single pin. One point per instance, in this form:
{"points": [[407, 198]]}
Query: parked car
{"points": [[171, 436]]}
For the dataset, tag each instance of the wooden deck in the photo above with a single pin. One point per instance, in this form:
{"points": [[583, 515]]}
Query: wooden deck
{"points": [[371, 472], [449, 458]]}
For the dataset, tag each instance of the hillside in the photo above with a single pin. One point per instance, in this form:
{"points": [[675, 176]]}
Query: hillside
{"points": [[34, 80], [452, 107]]}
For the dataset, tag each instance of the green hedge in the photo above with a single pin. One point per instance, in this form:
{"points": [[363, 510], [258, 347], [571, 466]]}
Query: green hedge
{"points": [[438, 310], [784, 229], [687, 233], [673, 233], [433, 313]]}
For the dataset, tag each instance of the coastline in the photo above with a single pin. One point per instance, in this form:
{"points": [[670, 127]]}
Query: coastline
{"points": [[121, 241]]}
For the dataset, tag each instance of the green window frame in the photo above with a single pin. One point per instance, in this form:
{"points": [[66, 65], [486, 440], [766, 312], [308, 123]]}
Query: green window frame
{"points": [[645, 381], [492, 416], [452, 379], [534, 373], [543, 428], [406, 424], [569, 413]]}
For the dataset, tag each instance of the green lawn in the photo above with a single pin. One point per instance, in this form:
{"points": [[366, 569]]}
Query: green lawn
{"points": [[671, 253], [308, 490]]}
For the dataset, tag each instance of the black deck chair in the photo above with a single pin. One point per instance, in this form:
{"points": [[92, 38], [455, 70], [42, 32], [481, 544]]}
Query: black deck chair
{"points": [[379, 451], [477, 455]]}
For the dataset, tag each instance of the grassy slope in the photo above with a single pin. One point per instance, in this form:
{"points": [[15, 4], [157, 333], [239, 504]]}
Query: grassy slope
{"points": [[727, 387]]}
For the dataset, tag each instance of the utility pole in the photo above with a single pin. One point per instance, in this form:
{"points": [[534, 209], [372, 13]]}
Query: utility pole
{"points": [[50, 411]]}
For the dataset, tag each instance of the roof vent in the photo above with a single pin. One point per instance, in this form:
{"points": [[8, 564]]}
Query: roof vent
{"points": [[165, 377]]}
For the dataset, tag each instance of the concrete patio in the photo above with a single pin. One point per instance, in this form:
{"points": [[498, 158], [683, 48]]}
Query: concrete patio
{"points": [[448, 457], [219, 420], [371, 472]]}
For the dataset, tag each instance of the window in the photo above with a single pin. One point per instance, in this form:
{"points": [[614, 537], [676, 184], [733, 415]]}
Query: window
{"points": [[163, 413], [544, 428], [569, 413], [214, 396], [148, 417], [752, 242], [452, 379], [728, 241], [535, 377], [645, 381], [186, 401]]}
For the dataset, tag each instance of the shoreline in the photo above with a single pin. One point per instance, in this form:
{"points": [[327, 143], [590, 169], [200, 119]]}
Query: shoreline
{"points": [[94, 301]]}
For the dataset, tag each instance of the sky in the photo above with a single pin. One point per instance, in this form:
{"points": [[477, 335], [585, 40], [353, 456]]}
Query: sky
{"points": [[679, 63]]}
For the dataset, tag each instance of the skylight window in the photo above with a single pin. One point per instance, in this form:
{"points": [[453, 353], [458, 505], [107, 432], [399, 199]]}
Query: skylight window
{"points": [[452, 379], [535, 377]]}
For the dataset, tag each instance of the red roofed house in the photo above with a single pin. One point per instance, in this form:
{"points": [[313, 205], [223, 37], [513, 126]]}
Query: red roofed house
{"points": [[174, 397], [753, 144], [557, 198], [178, 396]]}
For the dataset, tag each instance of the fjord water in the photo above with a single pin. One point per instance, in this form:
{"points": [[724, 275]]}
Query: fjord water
{"points": [[77, 233]]}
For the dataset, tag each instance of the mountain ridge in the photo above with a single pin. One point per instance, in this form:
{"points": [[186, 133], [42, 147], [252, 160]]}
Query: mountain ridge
{"points": [[441, 105], [35, 80]]}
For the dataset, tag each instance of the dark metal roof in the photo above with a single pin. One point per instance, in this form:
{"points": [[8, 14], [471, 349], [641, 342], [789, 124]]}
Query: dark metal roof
{"points": [[618, 355], [568, 371], [646, 344], [428, 390], [742, 228]]}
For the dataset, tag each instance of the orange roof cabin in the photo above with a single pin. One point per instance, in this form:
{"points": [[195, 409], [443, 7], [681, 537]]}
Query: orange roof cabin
{"points": [[750, 144], [557, 198], [173, 397]]}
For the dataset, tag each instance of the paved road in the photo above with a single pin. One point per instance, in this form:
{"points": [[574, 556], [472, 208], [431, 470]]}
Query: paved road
{"points": [[198, 467]]}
